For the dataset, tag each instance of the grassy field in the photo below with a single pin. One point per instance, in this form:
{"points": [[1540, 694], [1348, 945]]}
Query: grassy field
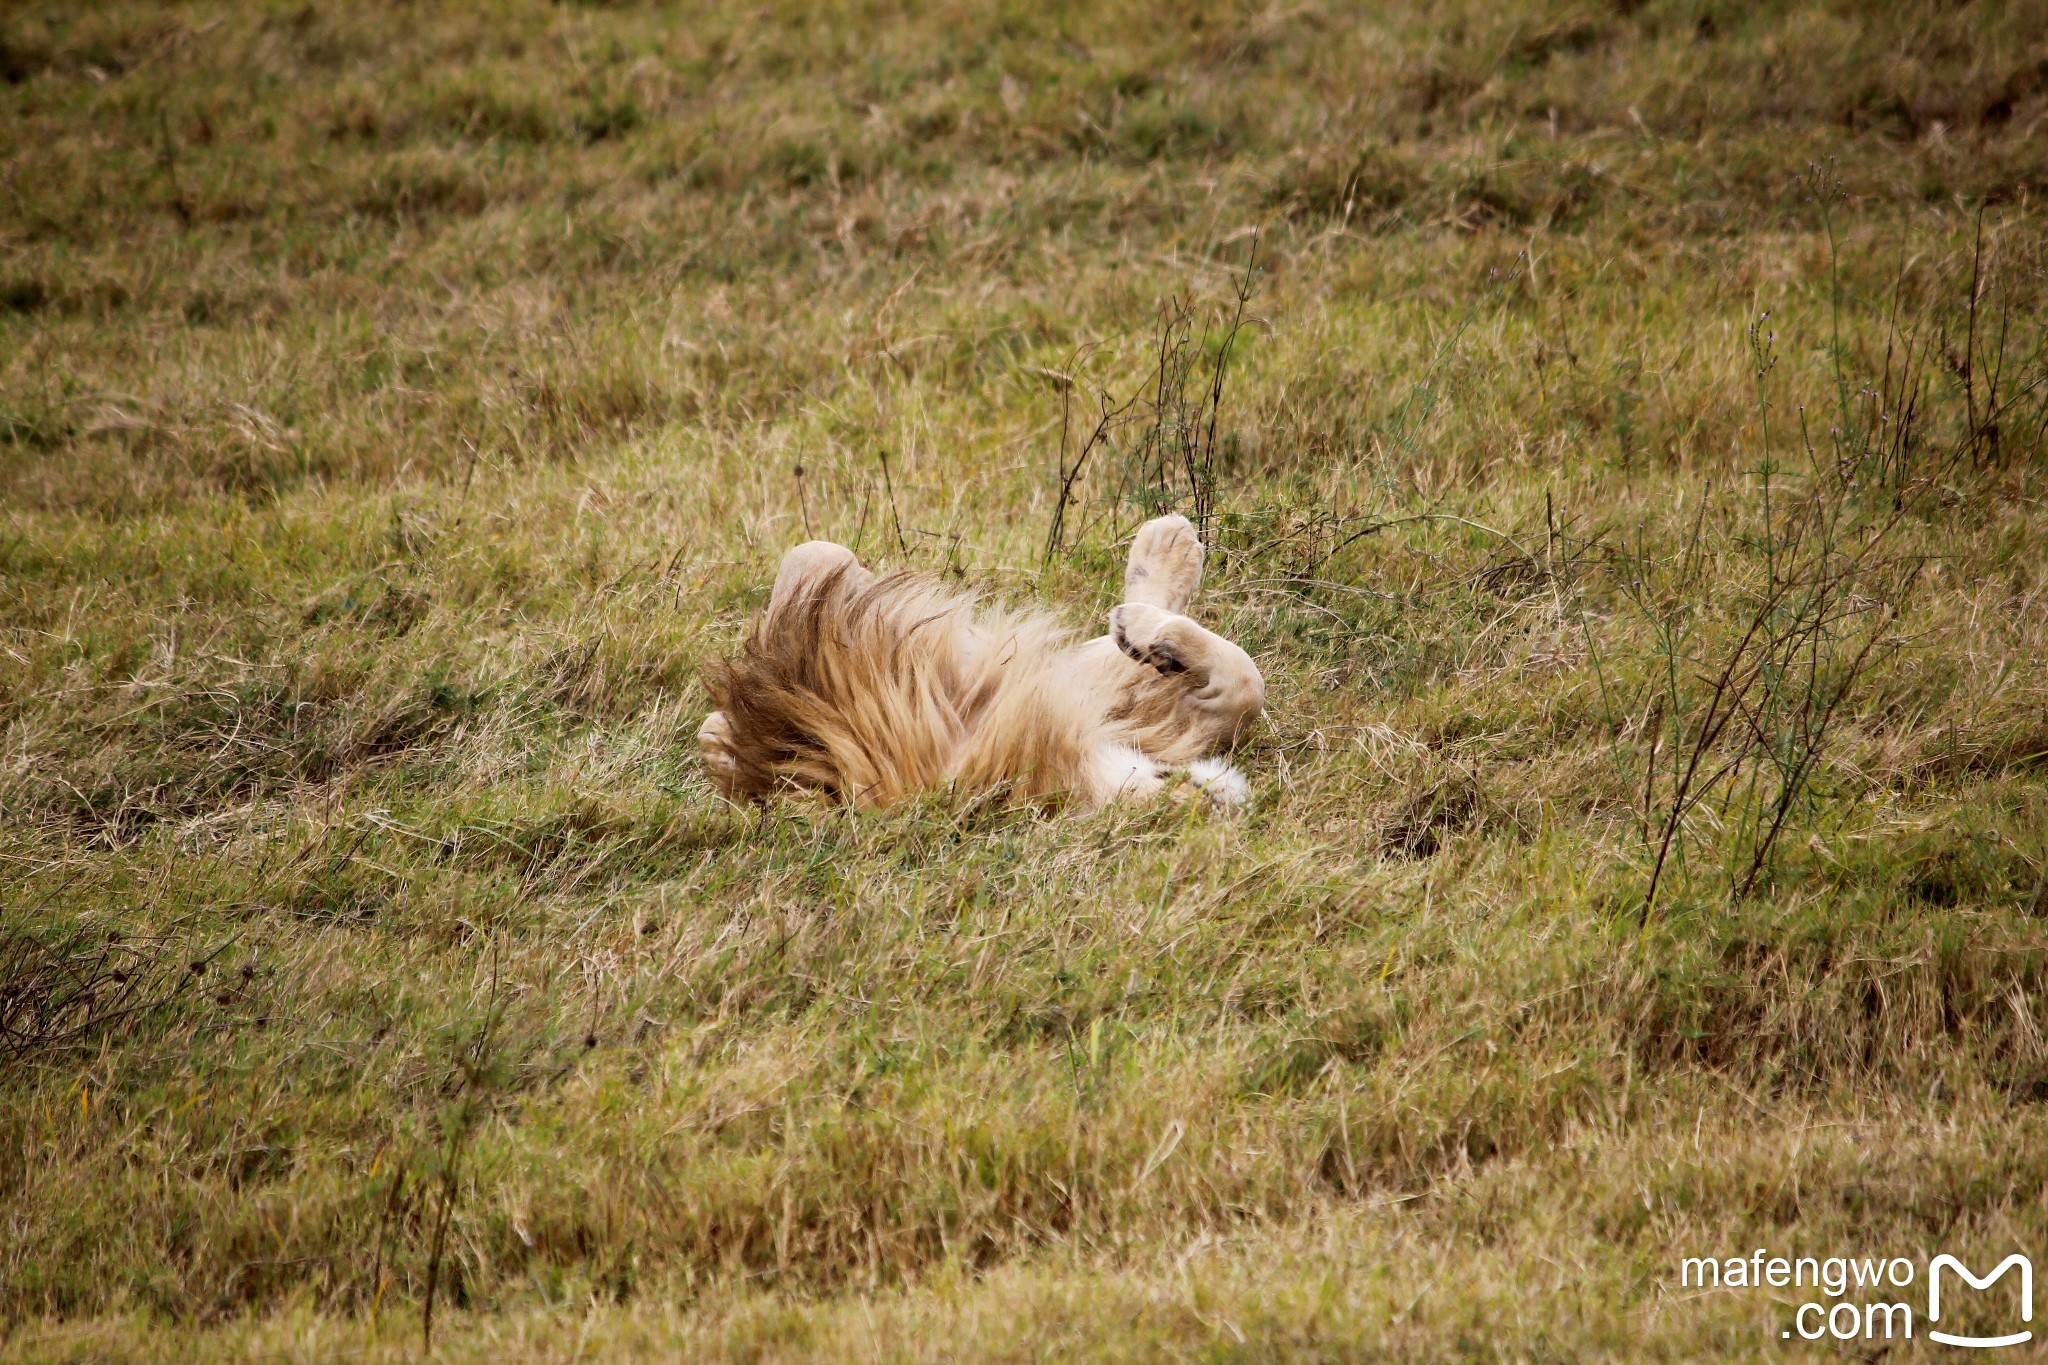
{"points": [[1629, 475]]}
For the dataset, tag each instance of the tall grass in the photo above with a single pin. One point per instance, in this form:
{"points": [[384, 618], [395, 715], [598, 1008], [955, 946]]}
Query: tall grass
{"points": [[1622, 454]]}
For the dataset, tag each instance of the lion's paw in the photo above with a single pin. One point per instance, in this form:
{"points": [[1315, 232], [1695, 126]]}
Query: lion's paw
{"points": [[1143, 633], [714, 740], [1166, 564]]}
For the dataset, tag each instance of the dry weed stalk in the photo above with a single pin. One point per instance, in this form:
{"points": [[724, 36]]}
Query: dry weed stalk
{"points": [[1171, 464]]}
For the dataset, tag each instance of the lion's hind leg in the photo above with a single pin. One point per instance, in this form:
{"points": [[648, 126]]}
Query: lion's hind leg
{"points": [[1213, 688], [1117, 772], [1165, 566], [714, 741], [1218, 780], [811, 568]]}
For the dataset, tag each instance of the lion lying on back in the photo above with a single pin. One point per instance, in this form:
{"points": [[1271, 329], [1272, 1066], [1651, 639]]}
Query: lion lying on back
{"points": [[871, 689]]}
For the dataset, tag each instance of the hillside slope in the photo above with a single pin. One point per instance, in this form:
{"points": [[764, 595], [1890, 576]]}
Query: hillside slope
{"points": [[1628, 473]]}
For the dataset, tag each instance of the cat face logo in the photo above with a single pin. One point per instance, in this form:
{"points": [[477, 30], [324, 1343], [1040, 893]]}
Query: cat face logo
{"points": [[2026, 1269]]}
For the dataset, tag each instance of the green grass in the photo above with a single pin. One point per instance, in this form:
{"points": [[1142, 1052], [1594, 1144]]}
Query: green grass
{"points": [[399, 405]]}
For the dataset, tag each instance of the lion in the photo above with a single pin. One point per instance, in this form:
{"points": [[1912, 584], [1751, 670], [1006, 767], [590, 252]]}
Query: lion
{"points": [[869, 689]]}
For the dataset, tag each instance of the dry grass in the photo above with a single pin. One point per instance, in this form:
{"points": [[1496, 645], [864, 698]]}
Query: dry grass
{"points": [[398, 406]]}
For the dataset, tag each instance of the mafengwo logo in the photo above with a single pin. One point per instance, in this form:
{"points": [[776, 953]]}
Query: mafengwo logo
{"points": [[2012, 1262], [1864, 1298]]}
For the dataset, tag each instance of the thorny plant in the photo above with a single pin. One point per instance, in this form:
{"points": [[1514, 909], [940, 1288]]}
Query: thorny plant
{"points": [[479, 1065], [1165, 430], [2005, 405], [62, 993], [1295, 552], [479, 1070], [1735, 731], [1879, 436], [1743, 700], [1172, 463]]}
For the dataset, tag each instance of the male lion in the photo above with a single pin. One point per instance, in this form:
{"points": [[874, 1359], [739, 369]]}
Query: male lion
{"points": [[869, 689]]}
